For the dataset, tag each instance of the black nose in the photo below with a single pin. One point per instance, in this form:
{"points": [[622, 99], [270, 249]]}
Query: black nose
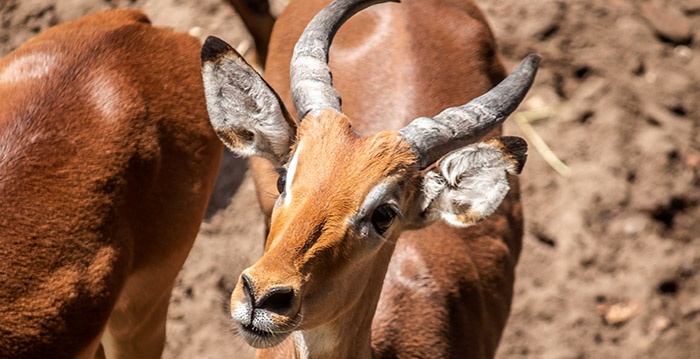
{"points": [[278, 299], [248, 289]]}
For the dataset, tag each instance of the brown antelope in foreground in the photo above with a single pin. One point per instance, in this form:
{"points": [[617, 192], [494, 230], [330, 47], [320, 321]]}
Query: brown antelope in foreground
{"points": [[341, 276], [107, 160]]}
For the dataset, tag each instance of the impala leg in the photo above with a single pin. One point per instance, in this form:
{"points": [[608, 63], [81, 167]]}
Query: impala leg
{"points": [[100, 354], [136, 329], [92, 350]]}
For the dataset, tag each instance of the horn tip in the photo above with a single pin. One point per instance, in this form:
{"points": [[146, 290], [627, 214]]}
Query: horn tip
{"points": [[532, 60]]}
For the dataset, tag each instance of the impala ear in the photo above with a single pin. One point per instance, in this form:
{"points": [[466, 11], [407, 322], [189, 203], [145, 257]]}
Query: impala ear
{"points": [[245, 111], [468, 184]]}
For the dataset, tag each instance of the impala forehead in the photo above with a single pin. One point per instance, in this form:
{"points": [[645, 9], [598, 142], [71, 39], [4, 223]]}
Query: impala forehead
{"points": [[323, 213], [344, 180], [335, 178]]}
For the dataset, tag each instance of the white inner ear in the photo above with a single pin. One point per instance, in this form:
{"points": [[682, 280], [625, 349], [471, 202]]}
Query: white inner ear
{"points": [[469, 185], [238, 100]]}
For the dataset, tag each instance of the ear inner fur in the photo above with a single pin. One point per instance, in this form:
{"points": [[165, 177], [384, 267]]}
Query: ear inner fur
{"points": [[244, 110], [469, 184]]}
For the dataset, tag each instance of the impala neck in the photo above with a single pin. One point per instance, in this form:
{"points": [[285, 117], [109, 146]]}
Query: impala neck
{"points": [[349, 336]]}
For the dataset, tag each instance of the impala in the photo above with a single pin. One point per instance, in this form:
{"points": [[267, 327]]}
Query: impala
{"points": [[371, 250], [107, 160]]}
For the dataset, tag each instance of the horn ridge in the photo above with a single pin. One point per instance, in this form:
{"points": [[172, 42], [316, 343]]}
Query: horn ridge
{"points": [[311, 79], [454, 127]]}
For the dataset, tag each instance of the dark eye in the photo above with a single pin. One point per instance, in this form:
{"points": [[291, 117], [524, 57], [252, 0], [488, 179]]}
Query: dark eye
{"points": [[382, 218], [281, 181]]}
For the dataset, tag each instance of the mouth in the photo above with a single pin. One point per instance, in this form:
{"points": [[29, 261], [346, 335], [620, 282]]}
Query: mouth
{"points": [[259, 338]]}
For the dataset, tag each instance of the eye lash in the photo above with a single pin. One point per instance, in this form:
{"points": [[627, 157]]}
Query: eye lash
{"points": [[396, 210], [280, 170]]}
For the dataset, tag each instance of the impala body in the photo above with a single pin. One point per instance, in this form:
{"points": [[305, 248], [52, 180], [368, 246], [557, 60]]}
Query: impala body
{"points": [[107, 160], [371, 250]]}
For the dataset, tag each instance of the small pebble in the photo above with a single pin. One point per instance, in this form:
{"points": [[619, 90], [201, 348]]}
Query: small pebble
{"points": [[195, 31], [661, 323], [618, 313], [535, 102], [683, 51], [650, 77]]}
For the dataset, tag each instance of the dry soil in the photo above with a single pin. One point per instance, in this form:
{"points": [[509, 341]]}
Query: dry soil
{"points": [[611, 259]]}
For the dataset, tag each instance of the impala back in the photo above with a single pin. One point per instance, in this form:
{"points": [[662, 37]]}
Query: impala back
{"points": [[107, 160]]}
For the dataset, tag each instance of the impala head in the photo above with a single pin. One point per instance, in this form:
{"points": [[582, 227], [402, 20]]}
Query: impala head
{"points": [[344, 199]]}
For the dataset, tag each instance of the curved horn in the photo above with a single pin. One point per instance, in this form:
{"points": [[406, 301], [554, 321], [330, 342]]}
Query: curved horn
{"points": [[311, 80], [432, 138]]}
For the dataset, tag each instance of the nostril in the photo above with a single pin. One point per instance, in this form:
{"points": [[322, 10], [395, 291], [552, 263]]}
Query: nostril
{"points": [[248, 289], [278, 300]]}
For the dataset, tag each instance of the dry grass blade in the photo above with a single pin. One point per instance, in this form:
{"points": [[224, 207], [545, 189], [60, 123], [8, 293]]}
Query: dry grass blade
{"points": [[540, 113], [523, 119]]}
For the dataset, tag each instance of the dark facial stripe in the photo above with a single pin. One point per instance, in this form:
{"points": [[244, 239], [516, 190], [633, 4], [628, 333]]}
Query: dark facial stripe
{"points": [[314, 236]]}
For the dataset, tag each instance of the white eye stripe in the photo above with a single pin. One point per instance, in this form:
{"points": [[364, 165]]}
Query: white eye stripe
{"points": [[291, 170], [374, 197], [379, 195]]}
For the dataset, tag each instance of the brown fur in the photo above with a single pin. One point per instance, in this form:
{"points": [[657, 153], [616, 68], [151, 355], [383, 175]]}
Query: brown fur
{"points": [[470, 217], [464, 302], [258, 20], [97, 214]]}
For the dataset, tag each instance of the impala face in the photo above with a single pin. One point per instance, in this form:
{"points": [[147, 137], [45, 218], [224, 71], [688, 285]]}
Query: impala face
{"points": [[344, 199]]}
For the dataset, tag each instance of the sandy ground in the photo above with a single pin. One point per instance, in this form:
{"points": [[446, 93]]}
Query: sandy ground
{"points": [[611, 257]]}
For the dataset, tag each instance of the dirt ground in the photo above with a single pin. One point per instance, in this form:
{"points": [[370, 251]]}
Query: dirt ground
{"points": [[611, 259]]}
